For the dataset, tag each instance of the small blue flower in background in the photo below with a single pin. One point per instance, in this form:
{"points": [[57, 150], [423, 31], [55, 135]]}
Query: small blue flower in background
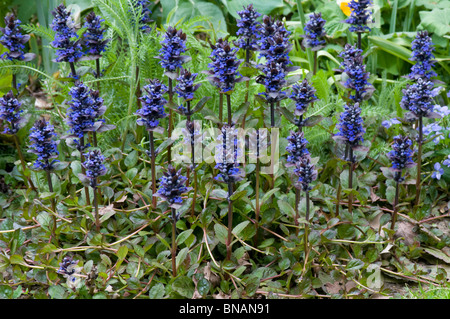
{"points": [[249, 28], [14, 40], [67, 266], [390, 122], [10, 112], [152, 105], [438, 171], [93, 37], [422, 49], [360, 15], [173, 46], [66, 39], [43, 145], [447, 161], [171, 186], [145, 14], [314, 32], [443, 111]]}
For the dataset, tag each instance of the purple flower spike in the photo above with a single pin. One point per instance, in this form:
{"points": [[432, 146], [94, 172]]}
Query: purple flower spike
{"points": [[67, 44], [302, 94], [171, 186], [93, 37], [152, 105], [296, 148], [14, 40], [314, 32], [360, 15], [350, 126], [306, 173], [227, 153], [249, 28], [94, 166], [10, 112], [422, 54], [43, 145], [173, 46], [401, 156]]}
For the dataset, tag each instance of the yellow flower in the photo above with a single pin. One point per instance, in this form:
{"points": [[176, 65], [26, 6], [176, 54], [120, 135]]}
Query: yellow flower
{"points": [[343, 4]]}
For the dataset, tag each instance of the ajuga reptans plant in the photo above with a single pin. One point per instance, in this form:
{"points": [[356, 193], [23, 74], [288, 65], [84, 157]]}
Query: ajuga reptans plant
{"points": [[248, 31]]}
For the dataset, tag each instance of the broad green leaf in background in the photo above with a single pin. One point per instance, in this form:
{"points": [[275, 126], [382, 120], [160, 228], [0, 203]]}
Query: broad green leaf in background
{"points": [[264, 7], [436, 21]]}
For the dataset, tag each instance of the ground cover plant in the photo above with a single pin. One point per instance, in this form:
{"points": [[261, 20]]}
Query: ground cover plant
{"points": [[224, 149]]}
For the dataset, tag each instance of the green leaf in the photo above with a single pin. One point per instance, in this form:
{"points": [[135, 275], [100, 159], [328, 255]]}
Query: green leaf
{"points": [[183, 236], [221, 233], [57, 292], [435, 21], [122, 252], [269, 194], [263, 7], [184, 286], [238, 228], [392, 48], [157, 291], [354, 264], [131, 159]]}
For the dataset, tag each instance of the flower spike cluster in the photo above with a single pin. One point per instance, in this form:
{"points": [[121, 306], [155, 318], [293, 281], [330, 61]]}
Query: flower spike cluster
{"points": [[152, 105], [249, 28], [224, 65], [171, 186], [185, 87], [173, 46], [43, 145], [355, 69], [350, 126], [360, 15], [66, 39], [306, 173], [94, 166], [10, 112], [84, 110], [296, 148], [302, 94], [14, 40], [93, 37], [418, 98], [227, 153], [401, 156], [422, 54], [314, 32], [145, 15]]}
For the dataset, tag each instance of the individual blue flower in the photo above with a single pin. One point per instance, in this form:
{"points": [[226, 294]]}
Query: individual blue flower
{"points": [[356, 75], [94, 35], [390, 122], [418, 98], [296, 148], [66, 42], [14, 40], [278, 50], [438, 171], [306, 173], [350, 126], [447, 161], [302, 94], [43, 145], [171, 186], [224, 66], [94, 166], [443, 111], [172, 48], [249, 28], [422, 54], [227, 154], [360, 15], [401, 156], [10, 113], [152, 110], [67, 266], [314, 32]]}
